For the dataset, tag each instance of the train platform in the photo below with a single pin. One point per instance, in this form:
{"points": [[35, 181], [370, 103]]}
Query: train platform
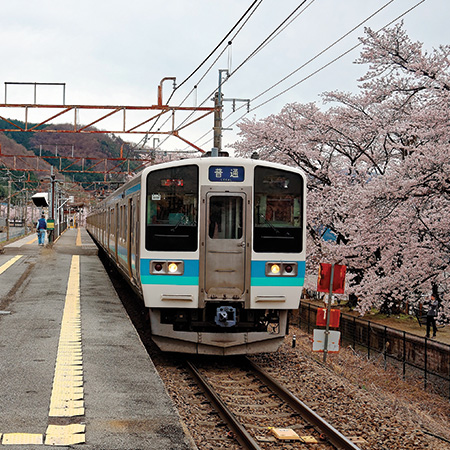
{"points": [[73, 372]]}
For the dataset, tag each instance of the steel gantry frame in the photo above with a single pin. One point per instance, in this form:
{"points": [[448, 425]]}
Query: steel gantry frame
{"points": [[87, 164], [157, 111], [99, 115]]}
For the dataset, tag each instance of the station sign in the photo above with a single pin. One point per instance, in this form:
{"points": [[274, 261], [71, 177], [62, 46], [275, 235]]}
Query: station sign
{"points": [[226, 174], [50, 224]]}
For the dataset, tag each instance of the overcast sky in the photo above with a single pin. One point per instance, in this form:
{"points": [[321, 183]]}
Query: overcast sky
{"points": [[111, 52]]}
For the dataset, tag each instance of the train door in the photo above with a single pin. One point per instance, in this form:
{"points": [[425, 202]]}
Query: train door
{"points": [[131, 239], [108, 229], [225, 269], [137, 236], [116, 231]]}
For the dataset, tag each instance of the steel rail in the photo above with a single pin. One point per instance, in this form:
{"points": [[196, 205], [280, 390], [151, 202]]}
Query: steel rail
{"points": [[334, 436], [244, 438]]}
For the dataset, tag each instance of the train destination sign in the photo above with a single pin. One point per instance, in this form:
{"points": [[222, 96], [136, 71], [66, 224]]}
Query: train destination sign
{"points": [[226, 173]]}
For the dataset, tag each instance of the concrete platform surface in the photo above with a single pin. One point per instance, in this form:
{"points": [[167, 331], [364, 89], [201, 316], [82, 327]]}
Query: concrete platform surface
{"points": [[73, 372]]}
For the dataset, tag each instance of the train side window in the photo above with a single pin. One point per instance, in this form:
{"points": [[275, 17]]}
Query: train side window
{"points": [[124, 222], [172, 205], [278, 206]]}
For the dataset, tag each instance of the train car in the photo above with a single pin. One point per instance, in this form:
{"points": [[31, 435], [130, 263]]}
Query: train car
{"points": [[215, 246]]}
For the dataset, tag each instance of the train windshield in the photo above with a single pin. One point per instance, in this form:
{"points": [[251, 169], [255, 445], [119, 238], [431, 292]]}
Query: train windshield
{"points": [[172, 204], [277, 211]]}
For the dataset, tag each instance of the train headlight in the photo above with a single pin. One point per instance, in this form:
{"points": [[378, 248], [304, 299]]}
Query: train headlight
{"points": [[166, 267], [275, 269], [281, 269]]}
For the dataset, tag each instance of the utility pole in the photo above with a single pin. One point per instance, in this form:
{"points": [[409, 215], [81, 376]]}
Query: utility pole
{"points": [[8, 209], [52, 208], [327, 328], [218, 109], [25, 223], [218, 106], [217, 122]]}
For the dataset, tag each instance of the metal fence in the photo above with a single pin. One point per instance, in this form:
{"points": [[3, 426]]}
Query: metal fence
{"points": [[16, 231], [414, 356]]}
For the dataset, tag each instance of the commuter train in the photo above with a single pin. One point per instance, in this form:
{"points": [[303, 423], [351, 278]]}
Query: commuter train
{"points": [[215, 246]]}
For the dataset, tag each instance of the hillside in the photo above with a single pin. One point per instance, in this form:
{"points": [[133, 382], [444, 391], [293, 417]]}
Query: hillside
{"points": [[96, 145], [11, 147]]}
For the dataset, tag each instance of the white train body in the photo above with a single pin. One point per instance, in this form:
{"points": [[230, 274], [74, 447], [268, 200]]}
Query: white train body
{"points": [[215, 247]]}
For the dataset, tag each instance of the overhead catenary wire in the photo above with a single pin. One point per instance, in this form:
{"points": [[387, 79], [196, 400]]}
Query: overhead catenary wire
{"points": [[268, 39], [272, 35], [325, 65], [209, 69], [324, 50], [314, 72], [218, 45], [281, 27], [244, 18], [306, 63]]}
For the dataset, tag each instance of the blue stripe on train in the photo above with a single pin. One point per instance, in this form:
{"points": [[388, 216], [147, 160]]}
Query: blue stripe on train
{"points": [[189, 277], [259, 277]]}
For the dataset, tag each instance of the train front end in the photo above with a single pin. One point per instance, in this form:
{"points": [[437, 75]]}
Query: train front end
{"points": [[222, 253]]}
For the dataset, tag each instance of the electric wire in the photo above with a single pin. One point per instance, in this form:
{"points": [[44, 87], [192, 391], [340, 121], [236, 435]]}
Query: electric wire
{"points": [[207, 71], [248, 12], [305, 64], [271, 36], [217, 46], [326, 65], [324, 50], [281, 27], [314, 72], [287, 24]]}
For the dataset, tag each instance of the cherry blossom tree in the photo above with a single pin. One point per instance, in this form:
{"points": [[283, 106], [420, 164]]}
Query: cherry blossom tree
{"points": [[378, 173]]}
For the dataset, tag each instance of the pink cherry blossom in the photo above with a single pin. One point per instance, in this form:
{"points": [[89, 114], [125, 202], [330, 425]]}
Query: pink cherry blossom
{"points": [[378, 169]]}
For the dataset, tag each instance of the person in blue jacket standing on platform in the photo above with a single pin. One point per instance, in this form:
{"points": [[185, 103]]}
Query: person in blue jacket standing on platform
{"points": [[41, 229]]}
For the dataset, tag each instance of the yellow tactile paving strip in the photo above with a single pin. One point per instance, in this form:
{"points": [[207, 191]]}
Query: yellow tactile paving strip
{"points": [[78, 241], [9, 263], [21, 438], [32, 241], [67, 392], [65, 434]]}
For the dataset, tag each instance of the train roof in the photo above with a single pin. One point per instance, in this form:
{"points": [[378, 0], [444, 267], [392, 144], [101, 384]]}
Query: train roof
{"points": [[221, 160], [203, 161]]}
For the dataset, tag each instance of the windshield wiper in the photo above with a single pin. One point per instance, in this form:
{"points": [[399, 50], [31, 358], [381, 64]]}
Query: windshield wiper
{"points": [[269, 223], [183, 220]]}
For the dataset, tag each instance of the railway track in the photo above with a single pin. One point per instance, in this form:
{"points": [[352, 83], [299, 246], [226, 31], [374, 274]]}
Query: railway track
{"points": [[375, 421], [260, 412]]}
